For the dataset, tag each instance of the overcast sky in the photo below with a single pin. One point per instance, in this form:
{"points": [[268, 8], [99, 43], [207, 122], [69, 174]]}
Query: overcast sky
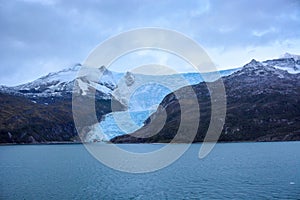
{"points": [[41, 36]]}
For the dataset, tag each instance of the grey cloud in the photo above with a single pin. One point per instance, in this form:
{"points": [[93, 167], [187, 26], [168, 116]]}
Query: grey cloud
{"points": [[65, 31], [241, 18]]}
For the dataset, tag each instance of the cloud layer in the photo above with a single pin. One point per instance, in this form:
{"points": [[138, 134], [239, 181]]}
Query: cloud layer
{"points": [[39, 36]]}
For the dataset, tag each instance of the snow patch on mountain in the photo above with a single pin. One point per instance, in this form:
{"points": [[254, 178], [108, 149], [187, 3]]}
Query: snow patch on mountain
{"points": [[61, 83], [288, 55], [288, 62], [52, 79], [65, 75], [277, 67], [100, 79]]}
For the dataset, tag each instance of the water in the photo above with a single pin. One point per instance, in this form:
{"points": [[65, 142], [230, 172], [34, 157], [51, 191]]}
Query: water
{"points": [[233, 170]]}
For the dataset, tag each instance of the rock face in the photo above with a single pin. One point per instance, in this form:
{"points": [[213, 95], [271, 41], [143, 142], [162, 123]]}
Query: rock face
{"points": [[129, 79], [263, 104], [25, 121]]}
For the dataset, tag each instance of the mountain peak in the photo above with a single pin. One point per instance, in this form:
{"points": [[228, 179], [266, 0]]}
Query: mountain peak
{"points": [[262, 69], [289, 55], [288, 62], [253, 64], [76, 67], [104, 71], [254, 61], [103, 68]]}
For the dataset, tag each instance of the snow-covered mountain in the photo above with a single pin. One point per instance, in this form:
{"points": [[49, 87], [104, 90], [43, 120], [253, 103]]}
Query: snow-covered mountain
{"points": [[53, 84], [260, 69], [289, 55], [141, 94], [289, 63], [279, 67], [61, 84]]}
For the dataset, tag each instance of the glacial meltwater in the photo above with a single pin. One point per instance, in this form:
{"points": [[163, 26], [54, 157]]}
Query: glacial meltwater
{"points": [[230, 171]]}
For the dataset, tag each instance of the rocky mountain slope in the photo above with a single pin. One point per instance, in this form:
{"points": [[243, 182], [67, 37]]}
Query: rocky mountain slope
{"points": [[263, 104], [25, 121]]}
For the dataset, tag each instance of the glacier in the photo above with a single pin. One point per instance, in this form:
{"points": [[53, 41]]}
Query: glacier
{"points": [[144, 101], [140, 93]]}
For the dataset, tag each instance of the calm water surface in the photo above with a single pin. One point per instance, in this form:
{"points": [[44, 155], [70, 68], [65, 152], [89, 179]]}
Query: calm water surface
{"points": [[234, 170]]}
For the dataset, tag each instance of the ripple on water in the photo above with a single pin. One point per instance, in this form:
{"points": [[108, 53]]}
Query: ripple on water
{"points": [[235, 170]]}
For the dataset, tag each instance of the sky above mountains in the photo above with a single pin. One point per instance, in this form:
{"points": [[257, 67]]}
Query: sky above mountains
{"points": [[41, 36]]}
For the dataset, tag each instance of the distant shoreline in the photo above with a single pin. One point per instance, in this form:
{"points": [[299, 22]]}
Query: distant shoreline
{"points": [[41, 143], [73, 143]]}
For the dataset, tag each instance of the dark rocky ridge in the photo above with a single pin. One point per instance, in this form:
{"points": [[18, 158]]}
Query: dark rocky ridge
{"points": [[23, 121], [263, 104]]}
